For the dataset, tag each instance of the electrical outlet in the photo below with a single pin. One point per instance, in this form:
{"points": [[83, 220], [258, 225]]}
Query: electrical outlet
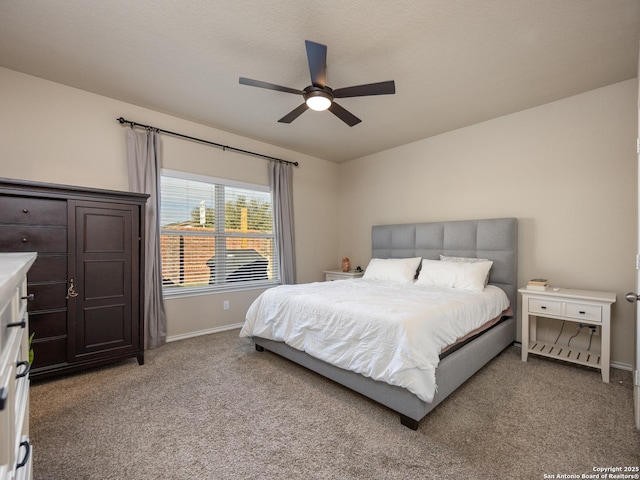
{"points": [[225, 305], [595, 329]]}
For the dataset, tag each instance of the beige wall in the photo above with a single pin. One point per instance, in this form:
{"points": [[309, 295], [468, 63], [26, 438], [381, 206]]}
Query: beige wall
{"points": [[53, 133], [567, 170]]}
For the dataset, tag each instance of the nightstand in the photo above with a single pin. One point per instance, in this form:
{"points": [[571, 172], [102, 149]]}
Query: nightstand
{"points": [[580, 307], [330, 275]]}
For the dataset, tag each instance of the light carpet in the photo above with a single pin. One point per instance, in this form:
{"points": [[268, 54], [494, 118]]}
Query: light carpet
{"points": [[212, 407]]}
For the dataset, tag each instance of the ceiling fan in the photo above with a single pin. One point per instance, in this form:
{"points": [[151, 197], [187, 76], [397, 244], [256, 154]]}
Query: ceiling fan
{"points": [[318, 96]]}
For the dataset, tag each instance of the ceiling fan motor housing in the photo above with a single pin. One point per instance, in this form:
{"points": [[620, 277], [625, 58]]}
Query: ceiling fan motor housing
{"points": [[313, 96]]}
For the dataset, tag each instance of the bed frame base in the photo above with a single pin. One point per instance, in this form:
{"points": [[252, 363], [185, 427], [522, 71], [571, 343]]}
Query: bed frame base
{"points": [[452, 371]]}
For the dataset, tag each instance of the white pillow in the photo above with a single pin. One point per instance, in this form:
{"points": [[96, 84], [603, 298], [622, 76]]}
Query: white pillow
{"points": [[392, 269], [463, 275], [447, 258]]}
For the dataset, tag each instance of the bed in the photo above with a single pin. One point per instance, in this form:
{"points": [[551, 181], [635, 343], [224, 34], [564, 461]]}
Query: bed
{"points": [[491, 239]]}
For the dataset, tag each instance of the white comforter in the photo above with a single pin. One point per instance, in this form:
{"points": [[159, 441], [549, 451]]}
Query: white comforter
{"points": [[388, 331]]}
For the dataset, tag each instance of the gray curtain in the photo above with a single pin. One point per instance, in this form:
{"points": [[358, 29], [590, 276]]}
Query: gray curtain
{"points": [[281, 182], [143, 154]]}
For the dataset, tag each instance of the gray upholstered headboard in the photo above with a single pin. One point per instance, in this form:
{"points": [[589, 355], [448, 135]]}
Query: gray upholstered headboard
{"points": [[495, 239]]}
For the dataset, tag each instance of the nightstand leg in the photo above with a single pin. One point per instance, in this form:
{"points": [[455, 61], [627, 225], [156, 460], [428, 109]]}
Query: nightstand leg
{"points": [[605, 348], [525, 329]]}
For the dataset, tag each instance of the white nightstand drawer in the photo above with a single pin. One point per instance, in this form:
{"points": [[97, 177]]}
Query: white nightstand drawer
{"points": [[548, 307], [331, 275], [586, 312]]}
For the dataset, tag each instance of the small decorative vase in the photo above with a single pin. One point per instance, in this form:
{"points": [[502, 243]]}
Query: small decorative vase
{"points": [[346, 264]]}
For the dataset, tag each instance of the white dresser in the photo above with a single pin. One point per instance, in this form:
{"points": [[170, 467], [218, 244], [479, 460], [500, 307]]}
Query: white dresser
{"points": [[16, 453]]}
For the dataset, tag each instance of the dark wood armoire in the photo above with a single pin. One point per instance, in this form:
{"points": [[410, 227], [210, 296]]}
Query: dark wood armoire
{"points": [[87, 281]]}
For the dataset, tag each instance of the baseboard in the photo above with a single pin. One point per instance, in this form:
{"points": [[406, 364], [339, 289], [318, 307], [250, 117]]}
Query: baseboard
{"points": [[618, 365], [622, 366], [174, 338]]}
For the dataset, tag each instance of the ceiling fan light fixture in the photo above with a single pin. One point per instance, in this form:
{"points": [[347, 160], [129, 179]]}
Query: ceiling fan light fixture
{"points": [[318, 100]]}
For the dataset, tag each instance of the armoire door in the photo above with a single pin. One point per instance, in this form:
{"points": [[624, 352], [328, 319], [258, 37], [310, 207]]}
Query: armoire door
{"points": [[103, 291]]}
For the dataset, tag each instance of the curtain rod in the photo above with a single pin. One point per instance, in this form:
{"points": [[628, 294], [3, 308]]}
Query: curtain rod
{"points": [[219, 145]]}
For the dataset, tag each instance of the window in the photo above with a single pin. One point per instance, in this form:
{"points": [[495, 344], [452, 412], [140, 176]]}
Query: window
{"points": [[215, 234]]}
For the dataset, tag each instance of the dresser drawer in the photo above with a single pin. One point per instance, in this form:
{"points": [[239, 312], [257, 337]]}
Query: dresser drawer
{"points": [[585, 312], [545, 307], [33, 211], [48, 296], [48, 324], [25, 238], [49, 268], [49, 352]]}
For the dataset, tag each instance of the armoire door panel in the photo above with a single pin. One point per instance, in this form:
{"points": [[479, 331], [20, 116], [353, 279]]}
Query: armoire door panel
{"points": [[105, 327], [105, 279], [105, 233]]}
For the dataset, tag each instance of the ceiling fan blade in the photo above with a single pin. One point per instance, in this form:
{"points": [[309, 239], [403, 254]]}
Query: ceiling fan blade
{"points": [[344, 115], [380, 88], [317, 57], [293, 114], [269, 86]]}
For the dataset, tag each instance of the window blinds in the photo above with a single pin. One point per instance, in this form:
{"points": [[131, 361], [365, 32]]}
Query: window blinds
{"points": [[215, 234]]}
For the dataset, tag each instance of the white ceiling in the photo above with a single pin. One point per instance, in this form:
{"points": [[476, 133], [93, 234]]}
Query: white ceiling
{"points": [[454, 62]]}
